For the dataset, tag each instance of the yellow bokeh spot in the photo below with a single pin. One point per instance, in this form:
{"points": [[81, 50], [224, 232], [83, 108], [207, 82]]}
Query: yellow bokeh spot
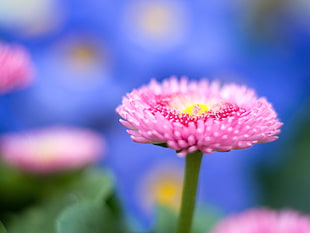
{"points": [[162, 186], [167, 193], [196, 109], [156, 20], [83, 55]]}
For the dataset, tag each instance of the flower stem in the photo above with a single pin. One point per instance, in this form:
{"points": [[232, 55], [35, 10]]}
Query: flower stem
{"points": [[191, 175]]}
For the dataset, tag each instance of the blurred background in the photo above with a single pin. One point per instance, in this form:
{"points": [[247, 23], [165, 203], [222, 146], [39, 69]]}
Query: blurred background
{"points": [[88, 54]]}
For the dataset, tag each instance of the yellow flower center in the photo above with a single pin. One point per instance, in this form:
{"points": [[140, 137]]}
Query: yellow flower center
{"points": [[196, 109]]}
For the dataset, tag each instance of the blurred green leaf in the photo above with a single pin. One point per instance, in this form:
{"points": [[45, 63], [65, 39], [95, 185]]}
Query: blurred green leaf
{"points": [[165, 219], [2, 228], [288, 184], [17, 189], [83, 218], [92, 185], [204, 219], [89, 217]]}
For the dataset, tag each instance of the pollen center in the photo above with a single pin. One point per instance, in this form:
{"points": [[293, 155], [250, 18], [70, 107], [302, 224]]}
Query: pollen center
{"points": [[196, 109]]}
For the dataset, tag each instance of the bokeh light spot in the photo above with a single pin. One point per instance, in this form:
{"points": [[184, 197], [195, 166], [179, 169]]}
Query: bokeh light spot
{"points": [[156, 24], [162, 186], [32, 17], [156, 20], [83, 55]]}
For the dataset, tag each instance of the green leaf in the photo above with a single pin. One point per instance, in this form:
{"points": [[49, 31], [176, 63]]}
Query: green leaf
{"points": [[166, 219], [17, 190], [286, 185], [93, 185], [204, 219], [88, 217], [2, 228], [82, 218]]}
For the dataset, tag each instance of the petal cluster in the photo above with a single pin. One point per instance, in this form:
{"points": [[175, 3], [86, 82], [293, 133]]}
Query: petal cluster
{"points": [[198, 115], [264, 221], [16, 69], [51, 150]]}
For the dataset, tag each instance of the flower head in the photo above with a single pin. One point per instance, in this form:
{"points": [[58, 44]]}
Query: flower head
{"points": [[16, 69], [51, 150], [188, 116], [264, 221]]}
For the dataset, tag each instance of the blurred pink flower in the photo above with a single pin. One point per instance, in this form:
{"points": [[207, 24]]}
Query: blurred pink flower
{"points": [[16, 69], [51, 150], [197, 115], [264, 221]]}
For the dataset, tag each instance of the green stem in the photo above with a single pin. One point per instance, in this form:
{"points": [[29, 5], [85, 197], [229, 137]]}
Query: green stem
{"points": [[191, 175]]}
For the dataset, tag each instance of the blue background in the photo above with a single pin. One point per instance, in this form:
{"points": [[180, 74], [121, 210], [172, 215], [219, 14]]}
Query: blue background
{"points": [[88, 54]]}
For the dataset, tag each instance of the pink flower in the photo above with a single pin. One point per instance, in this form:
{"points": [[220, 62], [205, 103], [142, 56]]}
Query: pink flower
{"points": [[264, 221], [16, 69], [51, 150], [188, 116]]}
